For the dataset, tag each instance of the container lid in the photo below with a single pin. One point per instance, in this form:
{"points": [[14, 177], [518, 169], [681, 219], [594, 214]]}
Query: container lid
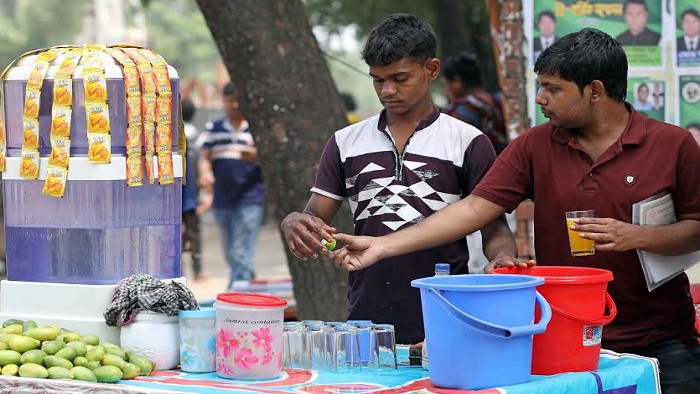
{"points": [[207, 312], [23, 66], [252, 299]]}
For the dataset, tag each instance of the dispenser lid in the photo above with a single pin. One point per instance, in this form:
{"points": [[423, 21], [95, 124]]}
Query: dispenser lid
{"points": [[23, 66]]}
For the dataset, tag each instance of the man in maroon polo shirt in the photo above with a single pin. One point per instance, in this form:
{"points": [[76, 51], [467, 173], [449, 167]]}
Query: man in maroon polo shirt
{"points": [[596, 153]]}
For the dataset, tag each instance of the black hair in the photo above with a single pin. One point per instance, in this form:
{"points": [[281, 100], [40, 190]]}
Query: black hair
{"points": [[188, 109], [230, 90], [463, 64], [639, 2], [585, 56], [348, 101], [549, 14], [691, 12], [399, 36]]}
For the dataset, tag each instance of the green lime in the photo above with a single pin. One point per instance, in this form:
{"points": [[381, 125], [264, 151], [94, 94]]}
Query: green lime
{"points": [[329, 245]]}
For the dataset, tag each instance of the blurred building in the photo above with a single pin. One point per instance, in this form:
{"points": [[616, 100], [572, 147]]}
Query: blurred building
{"points": [[113, 22]]}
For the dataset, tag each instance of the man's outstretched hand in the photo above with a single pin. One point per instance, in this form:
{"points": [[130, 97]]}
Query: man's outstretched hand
{"points": [[359, 252]]}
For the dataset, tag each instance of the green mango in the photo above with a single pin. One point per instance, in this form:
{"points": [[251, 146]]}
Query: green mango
{"points": [[91, 365], [51, 347], [9, 357], [80, 361], [72, 336], [84, 374], [42, 333], [143, 363], [108, 374], [95, 354], [10, 370], [35, 356], [111, 359], [79, 347], [91, 339], [59, 373], [28, 325], [10, 322], [55, 361], [12, 329], [67, 352], [130, 371], [22, 344], [33, 371]]}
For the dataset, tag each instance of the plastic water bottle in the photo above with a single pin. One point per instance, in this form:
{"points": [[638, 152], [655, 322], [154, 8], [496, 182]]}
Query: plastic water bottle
{"points": [[441, 269]]}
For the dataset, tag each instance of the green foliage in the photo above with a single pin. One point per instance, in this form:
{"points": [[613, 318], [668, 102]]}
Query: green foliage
{"points": [[30, 24], [177, 31]]}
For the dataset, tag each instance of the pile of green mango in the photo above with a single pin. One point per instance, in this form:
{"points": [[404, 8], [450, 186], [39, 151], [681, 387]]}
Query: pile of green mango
{"points": [[31, 351]]}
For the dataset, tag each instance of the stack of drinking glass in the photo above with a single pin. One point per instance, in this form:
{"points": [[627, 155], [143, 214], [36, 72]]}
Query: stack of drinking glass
{"points": [[352, 346]]}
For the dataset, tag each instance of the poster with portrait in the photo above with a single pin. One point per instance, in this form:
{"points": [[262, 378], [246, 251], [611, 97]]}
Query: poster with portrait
{"points": [[687, 37], [689, 102], [672, 22], [647, 96]]}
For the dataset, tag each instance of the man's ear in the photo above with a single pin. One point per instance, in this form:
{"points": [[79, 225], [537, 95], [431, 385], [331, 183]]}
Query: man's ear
{"points": [[597, 90], [432, 68]]}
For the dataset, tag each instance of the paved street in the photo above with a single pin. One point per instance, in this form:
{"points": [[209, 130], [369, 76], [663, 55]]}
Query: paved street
{"points": [[270, 260]]}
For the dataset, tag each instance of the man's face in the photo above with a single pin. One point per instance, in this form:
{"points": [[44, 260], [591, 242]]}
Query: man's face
{"points": [[547, 26], [643, 93], [636, 18], [561, 102], [230, 106], [690, 25], [402, 85]]}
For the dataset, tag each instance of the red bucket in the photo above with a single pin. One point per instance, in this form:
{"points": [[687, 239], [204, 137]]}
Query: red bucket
{"points": [[578, 297]]}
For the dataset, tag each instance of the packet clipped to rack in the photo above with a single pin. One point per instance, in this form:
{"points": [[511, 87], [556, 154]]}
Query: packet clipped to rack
{"points": [[61, 113], [96, 105], [29, 164]]}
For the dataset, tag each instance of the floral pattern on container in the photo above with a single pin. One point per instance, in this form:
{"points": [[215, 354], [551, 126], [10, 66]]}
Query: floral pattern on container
{"points": [[240, 351], [195, 357]]}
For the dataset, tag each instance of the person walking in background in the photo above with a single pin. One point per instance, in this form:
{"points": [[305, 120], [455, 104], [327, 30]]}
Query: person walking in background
{"points": [[350, 107], [470, 102], [230, 173], [637, 33], [397, 168], [191, 236], [596, 152]]}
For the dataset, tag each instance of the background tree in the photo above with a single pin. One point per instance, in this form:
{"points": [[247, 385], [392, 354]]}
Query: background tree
{"points": [[459, 24], [293, 106]]}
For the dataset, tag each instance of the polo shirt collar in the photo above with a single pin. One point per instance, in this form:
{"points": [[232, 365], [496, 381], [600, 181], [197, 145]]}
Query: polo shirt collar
{"points": [[634, 133], [425, 122]]}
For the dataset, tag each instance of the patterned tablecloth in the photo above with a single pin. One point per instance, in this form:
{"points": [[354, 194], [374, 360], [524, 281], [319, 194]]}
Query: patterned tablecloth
{"points": [[617, 374]]}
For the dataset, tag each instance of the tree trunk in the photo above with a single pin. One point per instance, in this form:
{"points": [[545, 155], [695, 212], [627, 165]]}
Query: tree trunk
{"points": [[293, 106]]}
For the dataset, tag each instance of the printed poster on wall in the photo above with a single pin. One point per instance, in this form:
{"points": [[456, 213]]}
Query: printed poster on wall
{"points": [[661, 39], [687, 33], [689, 102]]}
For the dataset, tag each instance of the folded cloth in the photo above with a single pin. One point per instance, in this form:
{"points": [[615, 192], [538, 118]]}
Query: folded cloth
{"points": [[144, 292]]}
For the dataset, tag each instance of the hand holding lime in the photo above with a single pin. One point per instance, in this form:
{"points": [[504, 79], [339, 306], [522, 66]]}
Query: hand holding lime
{"points": [[329, 245]]}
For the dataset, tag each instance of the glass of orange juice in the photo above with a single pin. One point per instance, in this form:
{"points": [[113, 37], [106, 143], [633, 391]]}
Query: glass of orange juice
{"points": [[579, 246]]}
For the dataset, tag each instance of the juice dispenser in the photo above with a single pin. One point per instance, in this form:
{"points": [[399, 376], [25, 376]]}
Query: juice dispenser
{"points": [[67, 251]]}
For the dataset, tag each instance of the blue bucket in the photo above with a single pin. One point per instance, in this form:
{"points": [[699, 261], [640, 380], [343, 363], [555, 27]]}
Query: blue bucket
{"points": [[479, 328]]}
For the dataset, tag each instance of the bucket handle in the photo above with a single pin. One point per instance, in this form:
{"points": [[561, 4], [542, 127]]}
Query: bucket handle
{"points": [[601, 321], [495, 329]]}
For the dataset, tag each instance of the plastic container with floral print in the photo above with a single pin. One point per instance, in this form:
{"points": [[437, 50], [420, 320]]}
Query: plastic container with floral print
{"points": [[249, 335], [198, 340]]}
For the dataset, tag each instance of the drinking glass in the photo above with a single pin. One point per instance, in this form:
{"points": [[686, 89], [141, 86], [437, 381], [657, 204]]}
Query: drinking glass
{"points": [[579, 246], [294, 345], [384, 338]]}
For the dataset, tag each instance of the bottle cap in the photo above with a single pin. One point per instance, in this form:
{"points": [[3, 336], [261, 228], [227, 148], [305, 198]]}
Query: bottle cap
{"points": [[442, 267]]}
